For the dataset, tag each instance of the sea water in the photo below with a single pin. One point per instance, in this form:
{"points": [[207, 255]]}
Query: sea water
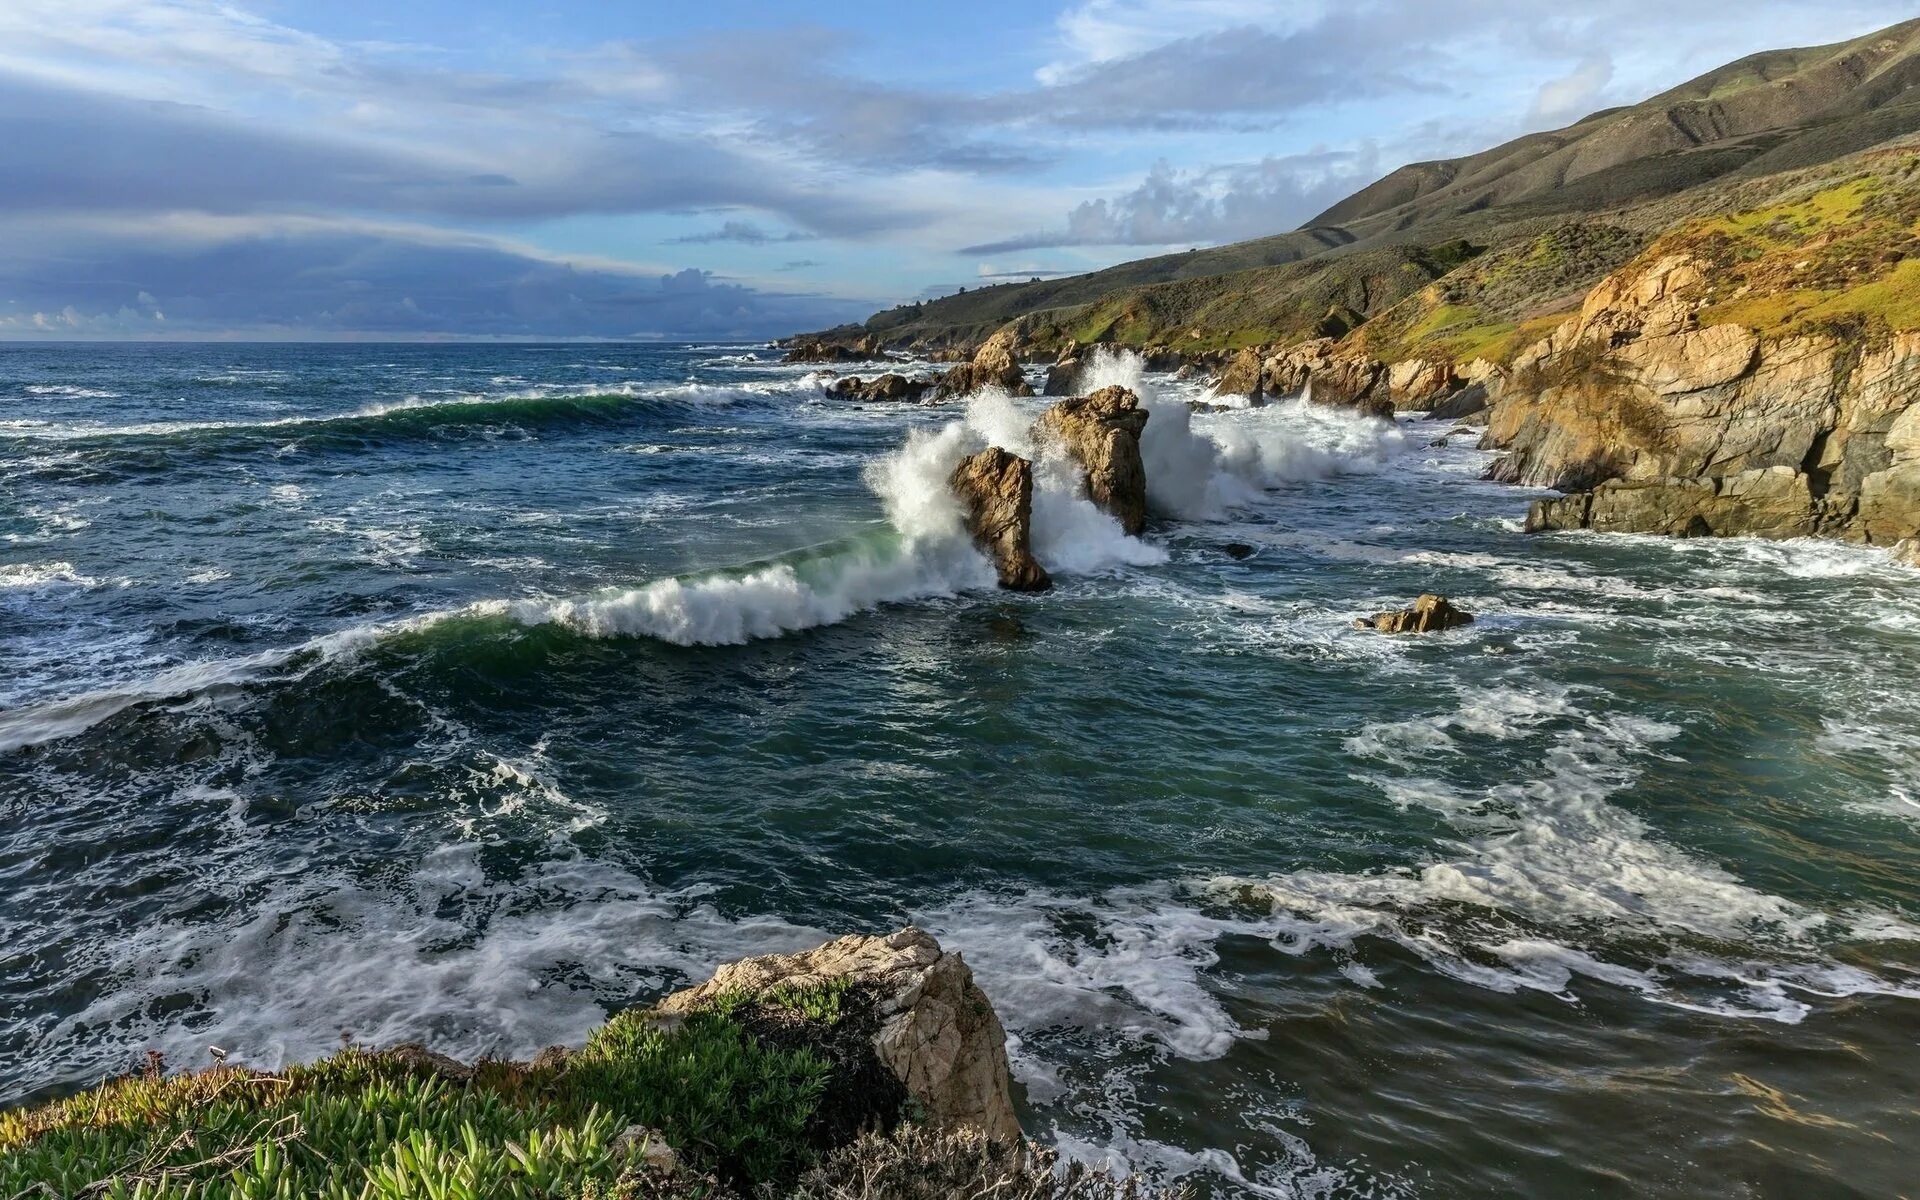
{"points": [[468, 693]]}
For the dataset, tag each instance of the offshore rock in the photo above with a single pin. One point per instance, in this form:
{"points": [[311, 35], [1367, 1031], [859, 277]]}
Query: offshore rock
{"points": [[936, 1031], [994, 364], [1102, 433], [996, 488], [1429, 614], [824, 350], [889, 388]]}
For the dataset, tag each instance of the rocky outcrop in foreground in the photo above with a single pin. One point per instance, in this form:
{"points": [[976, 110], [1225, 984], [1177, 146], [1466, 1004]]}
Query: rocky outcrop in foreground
{"points": [[932, 1028], [996, 490], [870, 1068], [1101, 432]]}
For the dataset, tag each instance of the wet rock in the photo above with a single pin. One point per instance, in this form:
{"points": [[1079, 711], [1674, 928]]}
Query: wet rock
{"points": [[1429, 614], [1238, 550], [1102, 433], [936, 1032], [996, 488]]}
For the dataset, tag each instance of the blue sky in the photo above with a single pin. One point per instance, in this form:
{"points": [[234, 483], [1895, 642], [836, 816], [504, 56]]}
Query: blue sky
{"points": [[250, 168]]}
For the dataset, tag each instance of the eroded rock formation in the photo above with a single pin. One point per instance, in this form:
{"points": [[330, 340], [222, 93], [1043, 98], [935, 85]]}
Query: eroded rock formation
{"points": [[827, 350], [1101, 432], [994, 364], [1243, 377], [996, 489], [936, 1032]]}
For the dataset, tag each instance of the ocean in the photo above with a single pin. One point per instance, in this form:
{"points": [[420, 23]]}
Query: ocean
{"points": [[468, 693]]}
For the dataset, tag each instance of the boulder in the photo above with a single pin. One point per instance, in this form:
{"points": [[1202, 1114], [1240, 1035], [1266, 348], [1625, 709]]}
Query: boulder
{"points": [[994, 364], [1242, 377], [1429, 614], [1238, 550], [936, 1032], [1102, 433], [996, 488]]}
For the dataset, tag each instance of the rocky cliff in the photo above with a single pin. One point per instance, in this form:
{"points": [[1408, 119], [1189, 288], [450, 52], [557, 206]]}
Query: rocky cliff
{"points": [[1755, 373]]}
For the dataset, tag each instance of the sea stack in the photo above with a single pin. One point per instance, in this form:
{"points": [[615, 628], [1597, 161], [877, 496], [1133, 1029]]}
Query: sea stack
{"points": [[997, 489], [1102, 433]]}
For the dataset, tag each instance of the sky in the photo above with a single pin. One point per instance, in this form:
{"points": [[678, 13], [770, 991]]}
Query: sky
{"points": [[737, 169]]}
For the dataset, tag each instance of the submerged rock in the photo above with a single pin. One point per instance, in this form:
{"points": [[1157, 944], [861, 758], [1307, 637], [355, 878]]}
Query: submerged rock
{"points": [[997, 489], [1429, 614], [936, 1032], [1102, 433], [1238, 550]]}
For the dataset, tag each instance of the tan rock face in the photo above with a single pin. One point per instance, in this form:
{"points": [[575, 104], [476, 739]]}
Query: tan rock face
{"points": [[1429, 614], [996, 488], [1242, 376], [938, 1034], [994, 364], [1101, 432], [1417, 382], [1327, 373], [1711, 430]]}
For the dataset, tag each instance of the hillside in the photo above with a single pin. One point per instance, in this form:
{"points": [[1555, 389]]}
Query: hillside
{"points": [[1778, 111]]}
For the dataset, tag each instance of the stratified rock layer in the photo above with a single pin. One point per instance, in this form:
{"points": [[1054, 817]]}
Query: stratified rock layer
{"points": [[1102, 432], [937, 1032], [996, 488]]}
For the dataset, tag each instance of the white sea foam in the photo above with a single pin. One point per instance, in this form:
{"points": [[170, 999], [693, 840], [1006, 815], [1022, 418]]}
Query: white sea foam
{"points": [[526, 963], [23, 576], [1197, 471]]}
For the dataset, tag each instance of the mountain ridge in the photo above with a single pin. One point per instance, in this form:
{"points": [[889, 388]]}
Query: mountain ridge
{"points": [[1766, 113]]}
